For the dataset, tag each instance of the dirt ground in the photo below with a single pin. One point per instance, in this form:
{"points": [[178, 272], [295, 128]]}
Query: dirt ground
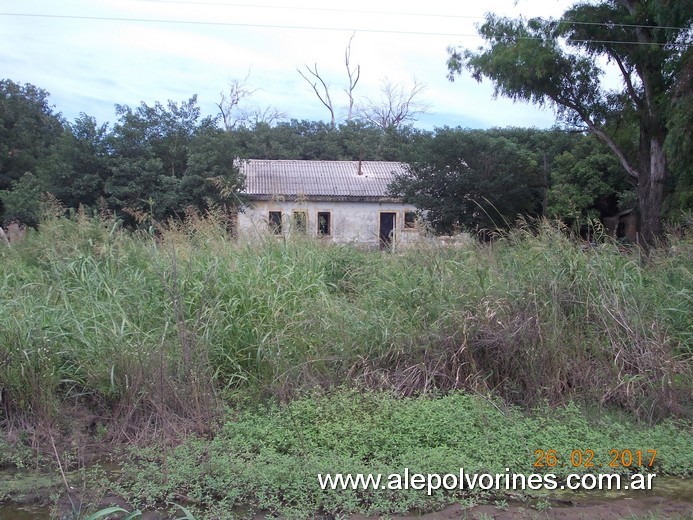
{"points": [[579, 507], [648, 507]]}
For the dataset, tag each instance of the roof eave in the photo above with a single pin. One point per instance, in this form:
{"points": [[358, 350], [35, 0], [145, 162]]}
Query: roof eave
{"points": [[321, 198]]}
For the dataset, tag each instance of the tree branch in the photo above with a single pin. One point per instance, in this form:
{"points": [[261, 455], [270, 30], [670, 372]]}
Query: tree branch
{"points": [[396, 105], [231, 113], [327, 101], [354, 76], [628, 80], [606, 138]]}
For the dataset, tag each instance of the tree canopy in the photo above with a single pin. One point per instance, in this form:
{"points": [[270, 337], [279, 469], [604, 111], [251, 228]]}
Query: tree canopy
{"points": [[159, 161], [559, 63], [471, 180], [29, 130]]}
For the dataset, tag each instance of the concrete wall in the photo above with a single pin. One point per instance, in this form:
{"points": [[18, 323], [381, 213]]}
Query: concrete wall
{"points": [[350, 222]]}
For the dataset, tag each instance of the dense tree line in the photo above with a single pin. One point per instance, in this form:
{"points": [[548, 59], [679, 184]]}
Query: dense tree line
{"points": [[158, 161], [155, 161]]}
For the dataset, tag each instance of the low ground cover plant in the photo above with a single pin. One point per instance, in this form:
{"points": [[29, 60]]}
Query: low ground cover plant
{"points": [[268, 458]]}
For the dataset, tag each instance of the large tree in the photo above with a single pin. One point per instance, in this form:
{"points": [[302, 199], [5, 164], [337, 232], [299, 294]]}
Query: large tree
{"points": [[559, 63], [79, 164], [472, 180], [166, 160], [29, 129]]}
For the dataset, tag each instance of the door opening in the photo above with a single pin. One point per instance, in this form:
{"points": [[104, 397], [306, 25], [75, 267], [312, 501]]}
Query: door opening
{"points": [[388, 222]]}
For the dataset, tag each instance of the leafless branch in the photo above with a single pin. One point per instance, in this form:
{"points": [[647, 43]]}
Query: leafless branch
{"points": [[397, 105], [325, 96], [354, 76], [268, 115], [229, 105], [235, 115]]}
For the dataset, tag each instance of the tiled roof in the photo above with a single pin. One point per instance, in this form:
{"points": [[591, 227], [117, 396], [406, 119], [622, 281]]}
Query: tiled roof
{"points": [[319, 178]]}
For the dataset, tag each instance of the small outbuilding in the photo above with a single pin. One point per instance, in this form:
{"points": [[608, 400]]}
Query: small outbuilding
{"points": [[339, 201]]}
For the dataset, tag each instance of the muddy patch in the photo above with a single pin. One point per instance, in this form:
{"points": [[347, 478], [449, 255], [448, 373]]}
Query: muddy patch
{"points": [[38, 496], [649, 507]]}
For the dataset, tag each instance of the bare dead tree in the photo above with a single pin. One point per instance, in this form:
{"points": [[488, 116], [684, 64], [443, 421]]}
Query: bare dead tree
{"points": [[398, 104], [354, 76], [324, 97], [229, 105], [269, 115], [321, 88], [235, 115]]}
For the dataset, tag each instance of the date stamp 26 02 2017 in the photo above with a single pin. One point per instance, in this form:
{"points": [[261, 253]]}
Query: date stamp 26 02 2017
{"points": [[626, 458]]}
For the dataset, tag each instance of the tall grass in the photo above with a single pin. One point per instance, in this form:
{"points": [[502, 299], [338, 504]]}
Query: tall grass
{"points": [[144, 329]]}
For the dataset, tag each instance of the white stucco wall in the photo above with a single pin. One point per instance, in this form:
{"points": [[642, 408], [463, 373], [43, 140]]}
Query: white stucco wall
{"points": [[351, 222]]}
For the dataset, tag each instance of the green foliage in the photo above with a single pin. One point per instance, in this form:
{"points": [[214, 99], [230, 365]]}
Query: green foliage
{"points": [[313, 347], [23, 201], [471, 179], [79, 164], [157, 163], [163, 161], [97, 310], [468, 180], [316, 140], [165, 158], [267, 458], [557, 63], [585, 183], [28, 129], [679, 140], [110, 511], [15, 455]]}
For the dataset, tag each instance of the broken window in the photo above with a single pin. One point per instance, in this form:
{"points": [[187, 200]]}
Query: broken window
{"points": [[409, 219], [324, 223], [275, 222], [300, 222]]}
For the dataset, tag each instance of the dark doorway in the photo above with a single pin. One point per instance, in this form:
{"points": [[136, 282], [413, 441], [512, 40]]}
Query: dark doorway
{"points": [[324, 223], [388, 220]]}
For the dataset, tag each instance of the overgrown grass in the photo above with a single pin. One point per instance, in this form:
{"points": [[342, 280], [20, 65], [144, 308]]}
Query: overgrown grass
{"points": [[112, 335], [152, 330]]}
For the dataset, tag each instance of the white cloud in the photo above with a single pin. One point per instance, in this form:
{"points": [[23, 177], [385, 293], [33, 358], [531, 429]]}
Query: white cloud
{"points": [[90, 64]]}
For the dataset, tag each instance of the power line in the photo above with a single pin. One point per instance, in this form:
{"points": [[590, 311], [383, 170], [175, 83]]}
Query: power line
{"points": [[398, 13], [625, 25], [305, 27], [230, 24], [317, 9]]}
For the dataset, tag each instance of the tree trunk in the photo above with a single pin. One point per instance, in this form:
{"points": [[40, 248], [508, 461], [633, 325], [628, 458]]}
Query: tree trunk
{"points": [[651, 187]]}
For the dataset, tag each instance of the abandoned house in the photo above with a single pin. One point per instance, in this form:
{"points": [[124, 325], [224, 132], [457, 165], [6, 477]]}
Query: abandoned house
{"points": [[339, 201]]}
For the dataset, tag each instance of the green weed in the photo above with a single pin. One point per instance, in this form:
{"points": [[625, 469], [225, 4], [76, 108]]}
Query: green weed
{"points": [[155, 332], [267, 458]]}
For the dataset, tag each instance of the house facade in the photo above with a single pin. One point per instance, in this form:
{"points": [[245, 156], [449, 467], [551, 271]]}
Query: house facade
{"points": [[340, 201]]}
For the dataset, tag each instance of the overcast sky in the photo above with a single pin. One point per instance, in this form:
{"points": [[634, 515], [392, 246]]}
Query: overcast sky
{"points": [[93, 54]]}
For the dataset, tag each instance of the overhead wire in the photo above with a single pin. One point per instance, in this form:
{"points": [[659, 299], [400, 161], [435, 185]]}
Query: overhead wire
{"points": [[315, 9], [232, 24], [304, 27], [394, 13]]}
